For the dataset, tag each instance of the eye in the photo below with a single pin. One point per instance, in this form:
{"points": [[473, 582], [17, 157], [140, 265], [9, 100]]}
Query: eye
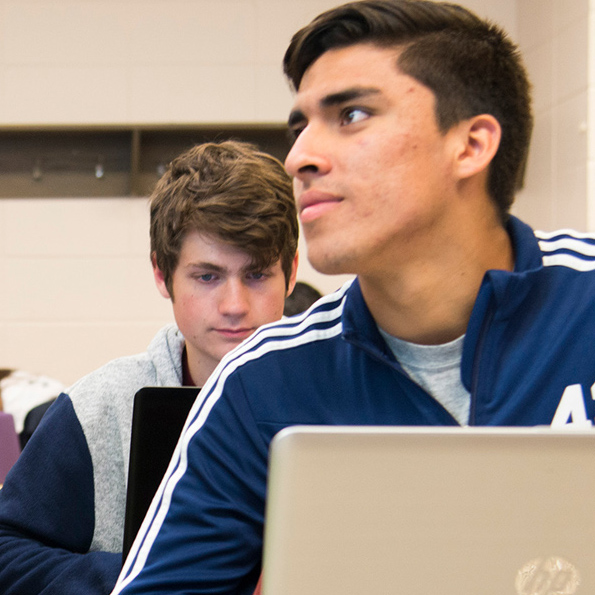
{"points": [[257, 275], [353, 115], [205, 277], [296, 124], [294, 132]]}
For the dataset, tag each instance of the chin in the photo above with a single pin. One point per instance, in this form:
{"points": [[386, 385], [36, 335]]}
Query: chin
{"points": [[329, 263]]}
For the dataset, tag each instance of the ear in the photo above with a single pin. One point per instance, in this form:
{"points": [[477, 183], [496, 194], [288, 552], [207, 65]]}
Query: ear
{"points": [[478, 141], [159, 278], [293, 276]]}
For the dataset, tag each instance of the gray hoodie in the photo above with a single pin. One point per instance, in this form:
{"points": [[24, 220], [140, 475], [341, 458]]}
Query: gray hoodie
{"points": [[103, 401]]}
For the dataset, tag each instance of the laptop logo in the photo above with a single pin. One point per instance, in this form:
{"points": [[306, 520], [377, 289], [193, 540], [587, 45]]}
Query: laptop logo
{"points": [[547, 576]]}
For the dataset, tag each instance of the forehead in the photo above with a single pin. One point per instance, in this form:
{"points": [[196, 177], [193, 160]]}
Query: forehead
{"points": [[360, 73], [341, 73], [199, 246], [209, 251], [356, 63]]}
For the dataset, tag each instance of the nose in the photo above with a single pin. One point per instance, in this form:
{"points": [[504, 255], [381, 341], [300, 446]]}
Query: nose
{"points": [[234, 299], [309, 154]]}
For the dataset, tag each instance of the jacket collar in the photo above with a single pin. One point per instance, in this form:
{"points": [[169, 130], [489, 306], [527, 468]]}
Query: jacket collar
{"points": [[527, 253]]}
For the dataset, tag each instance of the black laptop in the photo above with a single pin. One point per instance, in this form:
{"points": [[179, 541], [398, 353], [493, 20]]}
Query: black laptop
{"points": [[158, 417]]}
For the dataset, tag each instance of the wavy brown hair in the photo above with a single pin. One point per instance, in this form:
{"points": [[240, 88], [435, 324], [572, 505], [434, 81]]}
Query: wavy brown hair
{"points": [[230, 191]]}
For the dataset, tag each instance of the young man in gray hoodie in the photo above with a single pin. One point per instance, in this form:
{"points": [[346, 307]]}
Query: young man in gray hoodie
{"points": [[224, 237]]}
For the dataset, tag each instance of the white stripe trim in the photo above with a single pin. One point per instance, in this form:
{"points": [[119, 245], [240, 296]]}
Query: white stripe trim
{"points": [[546, 235], [570, 261], [572, 244], [212, 391]]}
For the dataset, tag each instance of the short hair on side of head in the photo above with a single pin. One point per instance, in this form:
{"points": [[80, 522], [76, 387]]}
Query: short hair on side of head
{"points": [[230, 191], [470, 65]]}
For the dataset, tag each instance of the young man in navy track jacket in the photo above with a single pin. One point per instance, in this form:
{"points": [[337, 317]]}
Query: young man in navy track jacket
{"points": [[224, 234], [411, 123]]}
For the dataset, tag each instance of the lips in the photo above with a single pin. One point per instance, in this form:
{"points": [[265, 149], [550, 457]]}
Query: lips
{"points": [[235, 334], [312, 204]]}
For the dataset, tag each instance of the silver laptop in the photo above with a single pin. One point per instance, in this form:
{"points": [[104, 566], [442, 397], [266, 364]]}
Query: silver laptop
{"points": [[428, 511]]}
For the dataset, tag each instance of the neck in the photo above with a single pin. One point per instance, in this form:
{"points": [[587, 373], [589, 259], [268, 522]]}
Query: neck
{"points": [[187, 379], [428, 299], [196, 368]]}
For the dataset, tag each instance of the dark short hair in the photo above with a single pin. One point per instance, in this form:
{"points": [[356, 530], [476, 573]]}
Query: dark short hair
{"points": [[470, 65], [230, 191]]}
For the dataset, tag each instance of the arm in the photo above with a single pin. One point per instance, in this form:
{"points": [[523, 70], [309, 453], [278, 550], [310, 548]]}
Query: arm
{"points": [[47, 515], [207, 516]]}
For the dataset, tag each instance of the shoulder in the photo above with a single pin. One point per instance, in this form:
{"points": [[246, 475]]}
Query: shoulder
{"points": [[117, 375], [109, 390], [125, 373]]}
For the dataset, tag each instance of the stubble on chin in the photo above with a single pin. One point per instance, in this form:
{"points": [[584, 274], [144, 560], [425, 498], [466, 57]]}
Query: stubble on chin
{"points": [[328, 260]]}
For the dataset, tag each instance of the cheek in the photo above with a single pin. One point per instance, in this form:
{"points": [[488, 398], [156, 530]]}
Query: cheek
{"points": [[269, 307], [376, 161], [185, 303], [298, 188], [188, 312]]}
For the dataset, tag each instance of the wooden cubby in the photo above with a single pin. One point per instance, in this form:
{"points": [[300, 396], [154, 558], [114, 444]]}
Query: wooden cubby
{"points": [[95, 161]]}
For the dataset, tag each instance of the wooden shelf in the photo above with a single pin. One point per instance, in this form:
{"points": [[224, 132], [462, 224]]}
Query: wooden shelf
{"points": [[94, 161]]}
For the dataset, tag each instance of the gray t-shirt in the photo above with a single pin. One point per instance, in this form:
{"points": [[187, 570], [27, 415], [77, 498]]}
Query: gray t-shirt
{"points": [[437, 369]]}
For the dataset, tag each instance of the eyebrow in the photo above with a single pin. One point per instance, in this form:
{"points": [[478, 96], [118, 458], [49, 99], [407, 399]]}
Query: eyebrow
{"points": [[334, 99], [206, 266], [210, 267], [348, 95]]}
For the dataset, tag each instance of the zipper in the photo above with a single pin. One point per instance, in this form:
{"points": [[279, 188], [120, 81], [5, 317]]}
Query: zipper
{"points": [[476, 364]]}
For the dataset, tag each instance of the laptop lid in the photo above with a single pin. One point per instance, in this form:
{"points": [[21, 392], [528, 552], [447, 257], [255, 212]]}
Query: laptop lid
{"points": [[429, 511], [158, 416]]}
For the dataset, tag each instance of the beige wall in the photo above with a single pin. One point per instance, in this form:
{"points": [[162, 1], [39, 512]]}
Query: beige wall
{"points": [[557, 56], [122, 61], [77, 285]]}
